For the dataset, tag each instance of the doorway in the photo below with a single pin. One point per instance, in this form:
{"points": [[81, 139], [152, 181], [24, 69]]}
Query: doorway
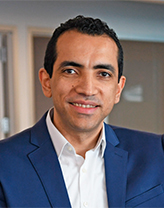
{"points": [[7, 124], [42, 103], [142, 102]]}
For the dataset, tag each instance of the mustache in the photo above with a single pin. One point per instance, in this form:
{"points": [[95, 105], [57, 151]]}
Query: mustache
{"points": [[92, 98]]}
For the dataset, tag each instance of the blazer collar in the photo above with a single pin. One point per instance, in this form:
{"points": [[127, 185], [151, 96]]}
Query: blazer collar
{"points": [[38, 131], [115, 169], [47, 167]]}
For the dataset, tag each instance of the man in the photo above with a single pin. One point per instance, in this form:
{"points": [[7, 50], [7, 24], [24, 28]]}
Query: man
{"points": [[71, 158]]}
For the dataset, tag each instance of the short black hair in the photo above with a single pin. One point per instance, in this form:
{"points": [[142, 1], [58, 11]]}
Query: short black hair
{"points": [[85, 25]]}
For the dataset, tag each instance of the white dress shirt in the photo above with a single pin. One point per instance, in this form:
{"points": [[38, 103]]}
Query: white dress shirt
{"points": [[84, 178]]}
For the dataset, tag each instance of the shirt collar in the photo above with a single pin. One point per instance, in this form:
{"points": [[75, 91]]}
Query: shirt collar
{"points": [[59, 141], [101, 143], [57, 138]]}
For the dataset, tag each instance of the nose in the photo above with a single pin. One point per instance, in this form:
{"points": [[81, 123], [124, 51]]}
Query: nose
{"points": [[86, 85]]}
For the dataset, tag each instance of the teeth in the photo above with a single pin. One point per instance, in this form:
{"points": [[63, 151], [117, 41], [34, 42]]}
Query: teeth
{"points": [[83, 106]]}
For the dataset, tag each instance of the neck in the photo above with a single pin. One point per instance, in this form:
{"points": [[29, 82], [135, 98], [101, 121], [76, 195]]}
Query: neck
{"points": [[82, 140], [83, 143]]}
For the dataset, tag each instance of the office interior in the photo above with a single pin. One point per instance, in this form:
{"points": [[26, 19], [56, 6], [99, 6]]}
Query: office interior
{"points": [[25, 28]]}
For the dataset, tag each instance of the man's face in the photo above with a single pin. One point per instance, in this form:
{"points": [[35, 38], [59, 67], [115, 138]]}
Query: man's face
{"points": [[84, 84]]}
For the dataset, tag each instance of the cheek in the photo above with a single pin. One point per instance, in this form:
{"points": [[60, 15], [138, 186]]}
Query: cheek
{"points": [[60, 90], [110, 95]]}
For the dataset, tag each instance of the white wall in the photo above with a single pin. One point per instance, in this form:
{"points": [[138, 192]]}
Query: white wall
{"points": [[131, 20]]}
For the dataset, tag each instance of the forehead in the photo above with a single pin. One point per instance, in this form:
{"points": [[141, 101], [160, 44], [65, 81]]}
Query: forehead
{"points": [[87, 50], [75, 40]]}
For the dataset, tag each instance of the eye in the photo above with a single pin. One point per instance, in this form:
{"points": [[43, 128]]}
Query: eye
{"points": [[69, 71], [105, 74]]}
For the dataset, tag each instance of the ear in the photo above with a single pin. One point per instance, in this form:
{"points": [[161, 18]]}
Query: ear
{"points": [[120, 87], [45, 82]]}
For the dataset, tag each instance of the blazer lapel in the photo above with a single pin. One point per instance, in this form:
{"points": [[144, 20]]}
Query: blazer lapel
{"points": [[46, 165], [115, 169]]}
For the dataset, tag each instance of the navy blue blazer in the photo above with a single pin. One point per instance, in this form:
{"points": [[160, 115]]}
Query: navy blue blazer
{"points": [[30, 174]]}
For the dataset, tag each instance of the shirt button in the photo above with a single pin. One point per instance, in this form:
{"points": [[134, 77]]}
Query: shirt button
{"points": [[85, 204], [84, 170], [70, 148]]}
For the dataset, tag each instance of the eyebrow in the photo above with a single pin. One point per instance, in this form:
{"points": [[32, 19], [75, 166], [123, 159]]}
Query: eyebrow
{"points": [[70, 63], [98, 66], [105, 66]]}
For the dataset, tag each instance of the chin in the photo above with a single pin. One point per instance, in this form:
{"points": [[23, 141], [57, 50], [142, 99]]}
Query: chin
{"points": [[87, 126]]}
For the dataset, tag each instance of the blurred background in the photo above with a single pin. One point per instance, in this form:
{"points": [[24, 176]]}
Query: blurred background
{"points": [[25, 28]]}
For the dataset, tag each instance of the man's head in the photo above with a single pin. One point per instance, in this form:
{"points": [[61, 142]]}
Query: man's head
{"points": [[84, 25], [82, 77]]}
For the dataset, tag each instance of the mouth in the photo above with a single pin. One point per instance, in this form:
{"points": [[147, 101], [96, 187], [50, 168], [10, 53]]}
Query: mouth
{"points": [[84, 105]]}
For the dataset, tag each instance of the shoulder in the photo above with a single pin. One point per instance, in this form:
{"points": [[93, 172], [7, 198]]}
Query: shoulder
{"points": [[15, 141], [131, 140], [136, 134], [14, 150], [145, 150], [22, 138]]}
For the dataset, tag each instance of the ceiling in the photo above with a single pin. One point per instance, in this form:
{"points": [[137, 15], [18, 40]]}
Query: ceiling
{"points": [[149, 1]]}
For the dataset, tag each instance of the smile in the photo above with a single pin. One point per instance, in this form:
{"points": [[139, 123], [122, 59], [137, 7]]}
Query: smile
{"points": [[83, 106]]}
